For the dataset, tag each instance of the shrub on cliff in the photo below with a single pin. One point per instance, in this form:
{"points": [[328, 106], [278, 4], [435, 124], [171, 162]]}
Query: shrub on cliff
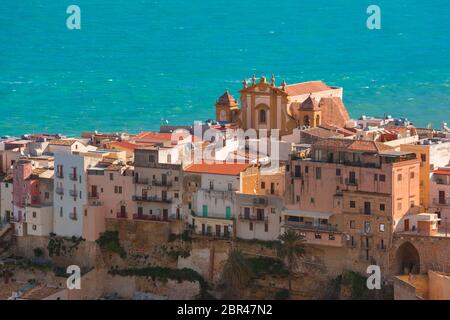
{"points": [[109, 240]]}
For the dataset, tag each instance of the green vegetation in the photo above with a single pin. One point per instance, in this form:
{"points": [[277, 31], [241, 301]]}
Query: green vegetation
{"points": [[357, 284], [267, 265], [60, 246], [164, 274], [283, 294], [237, 273], [38, 252], [109, 240], [272, 244], [182, 236], [291, 250]]}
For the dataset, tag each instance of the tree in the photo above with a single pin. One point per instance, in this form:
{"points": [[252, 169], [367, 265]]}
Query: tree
{"points": [[236, 272], [290, 251]]}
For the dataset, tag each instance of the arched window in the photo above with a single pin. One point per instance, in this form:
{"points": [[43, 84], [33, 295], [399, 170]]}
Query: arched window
{"points": [[262, 116], [306, 120]]}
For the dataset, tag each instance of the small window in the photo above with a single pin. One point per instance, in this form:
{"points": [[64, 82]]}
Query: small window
{"points": [[399, 177], [34, 227], [318, 235], [111, 176], [382, 177], [382, 207], [352, 204], [312, 200], [331, 237], [266, 227], [381, 227], [375, 177], [272, 210], [423, 157], [230, 186], [34, 214], [175, 179], [175, 195], [338, 172], [411, 175], [263, 185], [250, 226], [306, 169], [352, 224], [318, 173], [61, 212], [297, 198]]}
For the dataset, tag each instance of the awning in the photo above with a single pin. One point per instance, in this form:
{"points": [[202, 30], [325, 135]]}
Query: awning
{"points": [[308, 214]]}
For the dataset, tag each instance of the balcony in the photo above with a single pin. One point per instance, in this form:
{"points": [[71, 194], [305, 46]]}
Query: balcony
{"points": [[441, 202], [311, 227], [93, 195], [59, 191], [253, 218], [351, 182], [157, 183], [151, 199], [211, 216], [121, 215], [442, 181], [141, 181], [73, 215], [73, 193], [149, 217], [260, 201], [73, 177]]}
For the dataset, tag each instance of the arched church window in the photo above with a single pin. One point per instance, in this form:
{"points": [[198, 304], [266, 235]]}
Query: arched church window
{"points": [[262, 116]]}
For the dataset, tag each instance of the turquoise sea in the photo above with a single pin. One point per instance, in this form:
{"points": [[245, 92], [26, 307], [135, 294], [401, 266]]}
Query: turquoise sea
{"points": [[135, 63]]}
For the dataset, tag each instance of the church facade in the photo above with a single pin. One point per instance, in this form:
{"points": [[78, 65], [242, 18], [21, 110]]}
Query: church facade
{"points": [[264, 105]]}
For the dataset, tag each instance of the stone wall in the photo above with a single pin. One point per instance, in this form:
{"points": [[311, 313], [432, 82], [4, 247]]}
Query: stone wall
{"points": [[434, 252], [87, 254]]}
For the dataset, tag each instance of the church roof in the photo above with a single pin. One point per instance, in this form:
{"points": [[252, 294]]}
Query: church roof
{"points": [[306, 88], [227, 99], [310, 104]]}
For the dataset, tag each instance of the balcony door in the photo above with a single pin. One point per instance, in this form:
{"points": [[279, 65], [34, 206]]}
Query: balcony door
{"points": [[441, 197], [94, 191], [228, 212], [164, 179], [123, 211]]}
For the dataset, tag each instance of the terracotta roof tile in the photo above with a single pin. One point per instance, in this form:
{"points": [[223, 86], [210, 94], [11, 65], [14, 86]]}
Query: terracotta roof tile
{"points": [[334, 111], [153, 136], [306, 87], [227, 99], [124, 145]]}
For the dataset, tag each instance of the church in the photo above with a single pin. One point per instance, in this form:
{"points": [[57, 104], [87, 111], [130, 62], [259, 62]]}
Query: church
{"points": [[264, 105]]}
